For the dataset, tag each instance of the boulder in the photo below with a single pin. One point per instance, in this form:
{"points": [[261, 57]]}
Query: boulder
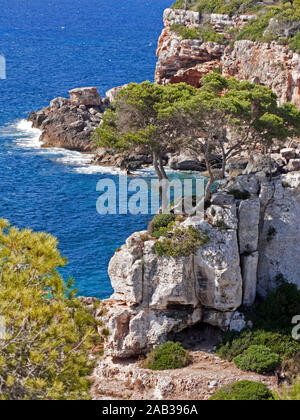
{"points": [[184, 162], [260, 164], [238, 322], [59, 103], [293, 165], [111, 94], [85, 96], [288, 153]]}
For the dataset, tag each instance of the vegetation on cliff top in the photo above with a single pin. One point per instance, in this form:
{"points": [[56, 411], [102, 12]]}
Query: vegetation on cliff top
{"points": [[46, 334], [279, 22]]}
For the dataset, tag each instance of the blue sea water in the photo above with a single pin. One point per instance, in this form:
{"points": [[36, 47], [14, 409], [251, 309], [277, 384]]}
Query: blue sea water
{"points": [[51, 47]]}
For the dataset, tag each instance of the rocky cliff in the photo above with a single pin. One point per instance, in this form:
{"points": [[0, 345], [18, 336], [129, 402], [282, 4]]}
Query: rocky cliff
{"points": [[252, 225], [187, 60]]}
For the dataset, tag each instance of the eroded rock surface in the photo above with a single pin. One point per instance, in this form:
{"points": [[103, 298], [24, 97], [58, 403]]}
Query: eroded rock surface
{"points": [[69, 123], [253, 242], [187, 60]]}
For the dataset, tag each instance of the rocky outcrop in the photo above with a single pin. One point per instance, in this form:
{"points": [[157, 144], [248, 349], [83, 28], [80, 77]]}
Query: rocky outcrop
{"points": [[187, 60], [128, 380], [271, 64], [252, 225], [279, 233], [69, 123]]}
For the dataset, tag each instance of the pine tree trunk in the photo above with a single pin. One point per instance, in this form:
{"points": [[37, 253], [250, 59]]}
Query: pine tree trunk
{"points": [[211, 179]]}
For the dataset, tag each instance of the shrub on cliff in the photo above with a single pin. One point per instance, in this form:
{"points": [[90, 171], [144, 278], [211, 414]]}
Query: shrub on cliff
{"points": [[205, 33], [236, 343], [258, 359], [272, 328], [160, 221], [46, 334], [180, 242], [169, 355], [243, 391], [276, 312], [219, 6]]}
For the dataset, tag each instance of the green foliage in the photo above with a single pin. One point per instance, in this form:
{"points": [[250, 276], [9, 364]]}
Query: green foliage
{"points": [[284, 29], [206, 33], [235, 343], [286, 20], [139, 116], [169, 355], [277, 310], [243, 391], [221, 225], [258, 359], [272, 329], [44, 354], [230, 7], [181, 242], [290, 394], [161, 221], [185, 32]]}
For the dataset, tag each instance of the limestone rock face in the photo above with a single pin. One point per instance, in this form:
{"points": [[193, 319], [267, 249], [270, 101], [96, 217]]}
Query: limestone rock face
{"points": [[113, 93], [253, 242], [279, 235], [155, 296], [185, 60], [249, 272], [271, 64], [249, 212], [188, 60]]}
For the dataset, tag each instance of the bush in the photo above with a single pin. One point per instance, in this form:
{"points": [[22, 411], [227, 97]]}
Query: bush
{"points": [[290, 394], [169, 355], [235, 343], [243, 391], [160, 221], [275, 313], [181, 242], [206, 33], [45, 353], [258, 359]]}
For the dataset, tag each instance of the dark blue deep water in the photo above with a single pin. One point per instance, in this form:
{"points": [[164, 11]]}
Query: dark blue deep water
{"points": [[52, 46]]}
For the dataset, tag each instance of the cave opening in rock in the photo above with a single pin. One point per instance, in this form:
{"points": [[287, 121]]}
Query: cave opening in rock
{"points": [[200, 336]]}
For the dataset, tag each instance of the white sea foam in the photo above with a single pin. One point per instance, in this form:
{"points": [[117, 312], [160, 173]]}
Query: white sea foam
{"points": [[26, 137]]}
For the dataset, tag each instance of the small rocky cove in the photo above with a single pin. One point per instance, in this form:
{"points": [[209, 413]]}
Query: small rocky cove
{"points": [[252, 222]]}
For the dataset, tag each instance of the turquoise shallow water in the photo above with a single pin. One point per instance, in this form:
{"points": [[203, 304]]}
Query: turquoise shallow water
{"points": [[51, 47]]}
